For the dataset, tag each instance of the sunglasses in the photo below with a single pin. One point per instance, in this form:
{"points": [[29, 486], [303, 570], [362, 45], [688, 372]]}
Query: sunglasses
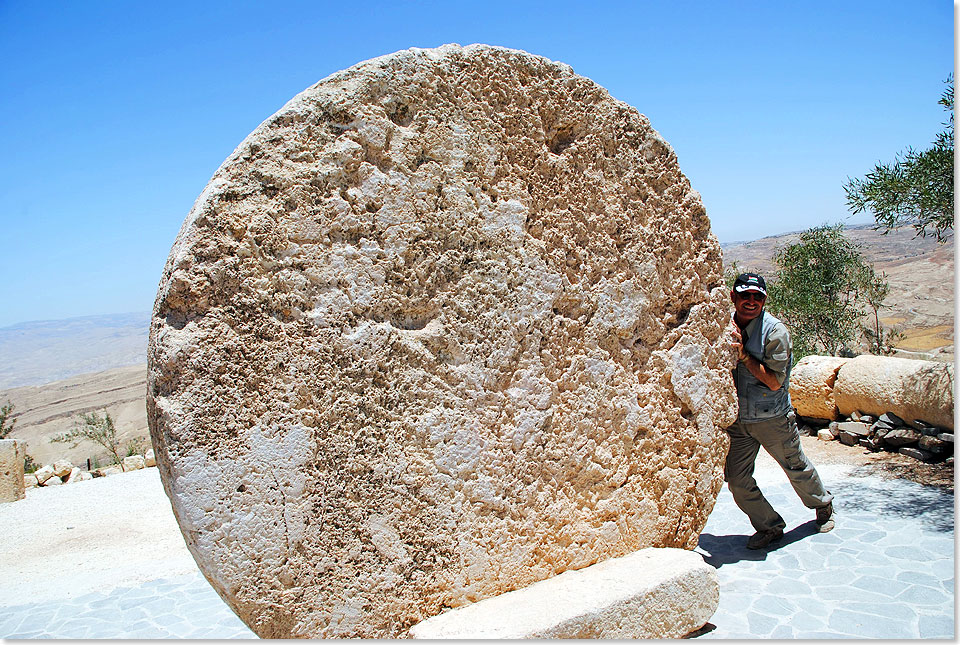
{"points": [[752, 295]]}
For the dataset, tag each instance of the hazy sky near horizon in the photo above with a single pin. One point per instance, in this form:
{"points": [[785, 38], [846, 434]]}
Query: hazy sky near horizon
{"points": [[115, 114]]}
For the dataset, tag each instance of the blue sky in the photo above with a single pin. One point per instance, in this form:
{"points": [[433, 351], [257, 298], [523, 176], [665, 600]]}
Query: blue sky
{"points": [[114, 115]]}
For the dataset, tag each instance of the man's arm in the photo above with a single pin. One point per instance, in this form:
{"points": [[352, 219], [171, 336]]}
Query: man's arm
{"points": [[763, 373]]}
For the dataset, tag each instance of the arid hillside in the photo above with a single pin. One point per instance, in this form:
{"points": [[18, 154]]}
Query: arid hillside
{"points": [[45, 411], [920, 273]]}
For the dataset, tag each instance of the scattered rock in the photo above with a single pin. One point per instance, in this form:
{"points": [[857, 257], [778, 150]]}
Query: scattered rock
{"points": [[859, 428], [73, 476], [149, 460], [30, 480], [53, 480], [901, 437], [133, 462], [946, 436], [849, 438], [934, 445], [43, 474], [917, 453], [825, 435], [891, 420], [62, 468]]}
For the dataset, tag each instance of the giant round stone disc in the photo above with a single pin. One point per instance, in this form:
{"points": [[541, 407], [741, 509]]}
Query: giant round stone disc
{"points": [[450, 322]]}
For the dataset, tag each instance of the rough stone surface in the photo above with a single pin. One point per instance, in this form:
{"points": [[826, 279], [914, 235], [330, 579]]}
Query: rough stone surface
{"points": [[917, 453], [43, 474], [449, 323], [901, 437], [62, 468], [133, 462], [653, 593], [911, 389], [73, 476], [858, 428], [12, 454], [811, 386]]}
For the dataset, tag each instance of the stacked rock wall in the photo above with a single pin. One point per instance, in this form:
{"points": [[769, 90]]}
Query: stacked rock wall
{"points": [[449, 323]]}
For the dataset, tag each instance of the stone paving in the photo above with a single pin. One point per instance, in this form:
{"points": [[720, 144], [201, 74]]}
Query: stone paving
{"points": [[886, 571]]}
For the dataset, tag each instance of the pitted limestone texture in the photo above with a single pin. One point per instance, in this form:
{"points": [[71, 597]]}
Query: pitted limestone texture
{"points": [[811, 386], [451, 322], [913, 390]]}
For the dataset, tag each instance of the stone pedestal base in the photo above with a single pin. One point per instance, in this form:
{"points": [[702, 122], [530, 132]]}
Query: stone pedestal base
{"points": [[12, 454], [652, 593]]}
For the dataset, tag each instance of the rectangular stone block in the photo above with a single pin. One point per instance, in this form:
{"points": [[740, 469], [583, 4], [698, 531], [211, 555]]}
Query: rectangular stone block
{"points": [[651, 593], [12, 454]]}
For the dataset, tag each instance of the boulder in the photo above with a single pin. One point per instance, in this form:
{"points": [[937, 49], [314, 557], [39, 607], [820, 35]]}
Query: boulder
{"points": [[73, 476], [149, 460], [12, 454], [53, 481], [133, 462], [109, 470], [650, 594], [824, 434], [911, 389], [811, 386], [43, 474], [450, 323], [30, 480], [62, 468]]}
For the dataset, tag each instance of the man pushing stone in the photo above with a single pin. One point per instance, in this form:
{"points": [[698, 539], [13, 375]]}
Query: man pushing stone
{"points": [[766, 417]]}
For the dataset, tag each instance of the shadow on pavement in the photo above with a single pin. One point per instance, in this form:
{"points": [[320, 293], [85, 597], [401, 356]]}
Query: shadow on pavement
{"points": [[727, 549], [933, 507]]}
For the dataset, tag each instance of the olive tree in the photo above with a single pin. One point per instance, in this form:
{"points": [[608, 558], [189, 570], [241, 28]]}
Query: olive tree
{"points": [[822, 284], [98, 429], [916, 189]]}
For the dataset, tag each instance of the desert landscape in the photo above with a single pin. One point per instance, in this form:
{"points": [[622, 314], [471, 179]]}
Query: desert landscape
{"points": [[55, 358]]}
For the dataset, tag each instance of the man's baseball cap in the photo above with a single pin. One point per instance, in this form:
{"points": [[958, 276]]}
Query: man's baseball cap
{"points": [[750, 282]]}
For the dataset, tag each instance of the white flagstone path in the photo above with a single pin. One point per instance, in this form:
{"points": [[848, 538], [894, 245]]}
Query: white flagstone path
{"points": [[886, 571]]}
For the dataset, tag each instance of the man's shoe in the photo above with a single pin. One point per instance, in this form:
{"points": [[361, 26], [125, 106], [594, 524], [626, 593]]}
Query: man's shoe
{"points": [[825, 518], [761, 539]]}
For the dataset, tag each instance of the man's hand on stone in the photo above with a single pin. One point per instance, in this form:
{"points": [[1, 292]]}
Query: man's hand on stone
{"points": [[737, 343]]}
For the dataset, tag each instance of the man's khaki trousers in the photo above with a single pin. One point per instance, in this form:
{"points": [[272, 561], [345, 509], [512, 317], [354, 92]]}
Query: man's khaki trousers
{"points": [[781, 438]]}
